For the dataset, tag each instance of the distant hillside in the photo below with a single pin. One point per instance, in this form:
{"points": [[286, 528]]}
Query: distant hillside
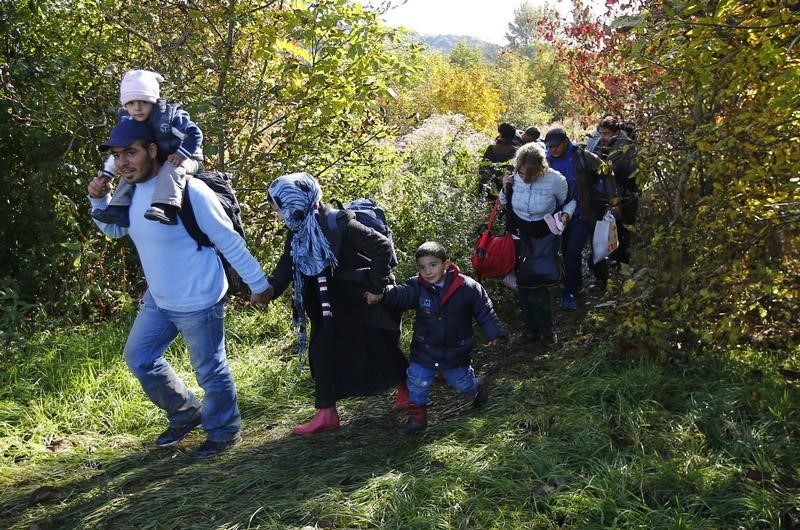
{"points": [[445, 43]]}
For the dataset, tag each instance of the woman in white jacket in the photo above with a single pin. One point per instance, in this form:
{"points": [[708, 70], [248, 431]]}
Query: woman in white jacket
{"points": [[535, 193]]}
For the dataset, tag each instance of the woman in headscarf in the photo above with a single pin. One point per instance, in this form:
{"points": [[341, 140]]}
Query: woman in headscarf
{"points": [[332, 259]]}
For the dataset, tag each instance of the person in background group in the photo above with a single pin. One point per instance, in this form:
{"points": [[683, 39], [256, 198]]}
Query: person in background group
{"points": [[593, 138], [531, 134], [188, 300], [332, 260], [592, 183], [616, 147], [446, 302], [536, 192], [493, 164]]}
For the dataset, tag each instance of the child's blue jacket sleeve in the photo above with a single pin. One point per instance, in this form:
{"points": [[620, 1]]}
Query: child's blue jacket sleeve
{"points": [[404, 296], [189, 133]]}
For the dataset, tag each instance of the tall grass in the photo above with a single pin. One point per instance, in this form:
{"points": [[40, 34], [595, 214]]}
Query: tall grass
{"points": [[571, 438]]}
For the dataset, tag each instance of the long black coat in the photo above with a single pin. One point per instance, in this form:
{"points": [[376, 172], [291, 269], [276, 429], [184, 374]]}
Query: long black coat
{"points": [[356, 353]]}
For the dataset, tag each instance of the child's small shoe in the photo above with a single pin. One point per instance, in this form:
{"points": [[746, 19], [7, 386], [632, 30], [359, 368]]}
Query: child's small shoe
{"points": [[109, 168], [113, 215], [163, 213], [410, 427], [552, 224], [417, 419], [482, 396]]}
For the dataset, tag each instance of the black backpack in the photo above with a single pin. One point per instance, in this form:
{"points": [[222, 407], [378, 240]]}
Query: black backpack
{"points": [[220, 184]]}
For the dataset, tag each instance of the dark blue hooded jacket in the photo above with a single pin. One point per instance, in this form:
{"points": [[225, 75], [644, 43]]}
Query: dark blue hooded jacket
{"points": [[443, 323]]}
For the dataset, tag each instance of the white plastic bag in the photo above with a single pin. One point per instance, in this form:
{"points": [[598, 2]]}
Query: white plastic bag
{"points": [[605, 239], [510, 280]]}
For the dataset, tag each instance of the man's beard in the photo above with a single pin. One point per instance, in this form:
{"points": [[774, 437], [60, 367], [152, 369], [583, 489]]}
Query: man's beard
{"points": [[145, 170]]}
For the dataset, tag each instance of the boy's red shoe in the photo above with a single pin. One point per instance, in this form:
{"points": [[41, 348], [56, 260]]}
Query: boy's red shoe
{"points": [[417, 419]]}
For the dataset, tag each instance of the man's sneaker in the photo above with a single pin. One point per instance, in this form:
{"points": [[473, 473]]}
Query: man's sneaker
{"points": [[482, 396], [211, 448], [173, 435], [569, 303], [167, 215], [113, 215]]}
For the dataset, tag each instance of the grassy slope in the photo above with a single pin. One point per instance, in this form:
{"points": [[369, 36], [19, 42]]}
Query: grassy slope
{"points": [[578, 437]]}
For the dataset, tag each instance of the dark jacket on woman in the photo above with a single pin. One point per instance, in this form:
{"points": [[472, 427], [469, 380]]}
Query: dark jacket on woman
{"points": [[363, 257], [443, 322], [355, 351], [597, 188], [621, 154]]}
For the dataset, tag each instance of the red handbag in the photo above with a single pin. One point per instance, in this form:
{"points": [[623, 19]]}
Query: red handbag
{"points": [[494, 256]]}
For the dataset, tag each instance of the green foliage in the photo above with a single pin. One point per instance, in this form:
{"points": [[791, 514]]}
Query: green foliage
{"points": [[276, 87], [444, 87], [51, 106], [579, 438], [530, 39], [521, 91], [512, 87], [13, 312], [466, 56], [523, 31], [432, 197], [554, 76], [719, 93]]}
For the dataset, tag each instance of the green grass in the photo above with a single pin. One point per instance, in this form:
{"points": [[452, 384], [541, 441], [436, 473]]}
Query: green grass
{"points": [[579, 437]]}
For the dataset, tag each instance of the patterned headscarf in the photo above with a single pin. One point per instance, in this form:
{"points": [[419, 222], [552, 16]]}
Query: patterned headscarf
{"points": [[298, 196]]}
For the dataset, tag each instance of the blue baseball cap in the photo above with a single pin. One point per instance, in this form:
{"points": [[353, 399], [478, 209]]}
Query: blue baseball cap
{"points": [[126, 132], [555, 136]]}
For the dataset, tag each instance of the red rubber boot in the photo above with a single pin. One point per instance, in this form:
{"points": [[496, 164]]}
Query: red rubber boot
{"points": [[401, 399], [325, 419]]}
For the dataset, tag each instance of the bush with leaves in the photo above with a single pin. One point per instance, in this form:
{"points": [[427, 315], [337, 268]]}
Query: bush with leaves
{"points": [[433, 196], [462, 86], [720, 92], [276, 87]]}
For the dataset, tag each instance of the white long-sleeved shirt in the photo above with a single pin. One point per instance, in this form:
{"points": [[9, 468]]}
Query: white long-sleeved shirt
{"points": [[531, 202], [180, 276]]}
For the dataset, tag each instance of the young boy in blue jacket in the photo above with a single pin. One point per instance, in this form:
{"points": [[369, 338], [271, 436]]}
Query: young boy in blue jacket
{"points": [[446, 302], [177, 136]]}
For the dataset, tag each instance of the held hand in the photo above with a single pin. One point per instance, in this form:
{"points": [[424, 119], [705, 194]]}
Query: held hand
{"points": [[263, 299], [372, 298], [175, 159], [99, 186], [508, 179], [564, 218]]}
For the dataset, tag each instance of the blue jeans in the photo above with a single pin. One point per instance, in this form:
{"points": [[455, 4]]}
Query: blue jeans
{"points": [[461, 379], [204, 334], [575, 237]]}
